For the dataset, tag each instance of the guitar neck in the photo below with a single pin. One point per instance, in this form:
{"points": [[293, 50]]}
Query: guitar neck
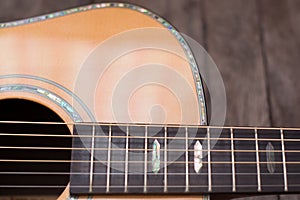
{"points": [[160, 159]]}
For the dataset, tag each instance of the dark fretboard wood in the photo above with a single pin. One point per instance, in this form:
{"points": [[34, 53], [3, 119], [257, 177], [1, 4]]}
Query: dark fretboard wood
{"points": [[246, 174], [292, 148], [176, 172], [136, 160], [98, 177], [80, 170], [198, 182], [270, 156], [110, 159], [221, 173]]}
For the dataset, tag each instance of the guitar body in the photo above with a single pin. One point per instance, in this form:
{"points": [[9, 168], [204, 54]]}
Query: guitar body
{"points": [[102, 63]]}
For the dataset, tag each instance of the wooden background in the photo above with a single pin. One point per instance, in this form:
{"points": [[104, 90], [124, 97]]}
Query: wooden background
{"points": [[255, 44]]}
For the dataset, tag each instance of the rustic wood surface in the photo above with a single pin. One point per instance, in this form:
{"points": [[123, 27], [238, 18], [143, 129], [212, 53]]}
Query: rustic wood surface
{"points": [[281, 46], [255, 44]]}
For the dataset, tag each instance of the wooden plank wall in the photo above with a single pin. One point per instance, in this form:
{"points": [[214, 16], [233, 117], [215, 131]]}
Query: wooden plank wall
{"points": [[255, 44]]}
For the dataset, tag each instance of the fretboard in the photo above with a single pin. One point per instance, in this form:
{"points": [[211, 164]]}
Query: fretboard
{"points": [[111, 159]]}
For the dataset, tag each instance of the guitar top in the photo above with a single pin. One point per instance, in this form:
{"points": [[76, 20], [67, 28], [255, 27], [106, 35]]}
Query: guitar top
{"points": [[107, 62]]}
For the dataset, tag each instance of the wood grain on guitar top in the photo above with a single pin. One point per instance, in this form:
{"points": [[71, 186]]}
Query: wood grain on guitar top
{"points": [[55, 50]]}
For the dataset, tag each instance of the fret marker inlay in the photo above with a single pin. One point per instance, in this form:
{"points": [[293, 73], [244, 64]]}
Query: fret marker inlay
{"points": [[270, 158], [198, 156], [155, 156]]}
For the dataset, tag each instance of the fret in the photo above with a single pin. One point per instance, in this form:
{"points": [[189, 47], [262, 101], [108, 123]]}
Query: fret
{"points": [[117, 164], [155, 181], [271, 173], [198, 182], [136, 160], [101, 170], [208, 160], [257, 162], [145, 159], [108, 160], [232, 161], [126, 161], [186, 161], [292, 143], [80, 179], [176, 178], [166, 160], [221, 152], [245, 173], [92, 159], [283, 160]]}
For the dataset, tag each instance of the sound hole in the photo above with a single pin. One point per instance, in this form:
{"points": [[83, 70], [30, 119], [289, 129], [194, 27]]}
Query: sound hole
{"points": [[40, 174]]}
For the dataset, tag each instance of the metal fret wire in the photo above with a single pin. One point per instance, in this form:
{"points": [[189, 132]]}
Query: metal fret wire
{"points": [[165, 163], [92, 161], [257, 162], [126, 161], [187, 161], [108, 160], [145, 159], [232, 159], [209, 162], [283, 161]]}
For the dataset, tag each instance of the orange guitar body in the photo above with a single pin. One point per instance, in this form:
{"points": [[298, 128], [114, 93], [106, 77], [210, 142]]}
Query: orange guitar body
{"points": [[46, 60]]}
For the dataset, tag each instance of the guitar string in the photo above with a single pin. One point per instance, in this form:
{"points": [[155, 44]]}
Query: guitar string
{"points": [[142, 162], [143, 149], [193, 139], [26, 186], [139, 173], [149, 150], [141, 186], [149, 125], [150, 137]]}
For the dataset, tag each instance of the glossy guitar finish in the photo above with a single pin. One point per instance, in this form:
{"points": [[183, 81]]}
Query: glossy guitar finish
{"points": [[42, 60]]}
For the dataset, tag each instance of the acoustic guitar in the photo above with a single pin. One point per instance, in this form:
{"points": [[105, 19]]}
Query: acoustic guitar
{"points": [[106, 101]]}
